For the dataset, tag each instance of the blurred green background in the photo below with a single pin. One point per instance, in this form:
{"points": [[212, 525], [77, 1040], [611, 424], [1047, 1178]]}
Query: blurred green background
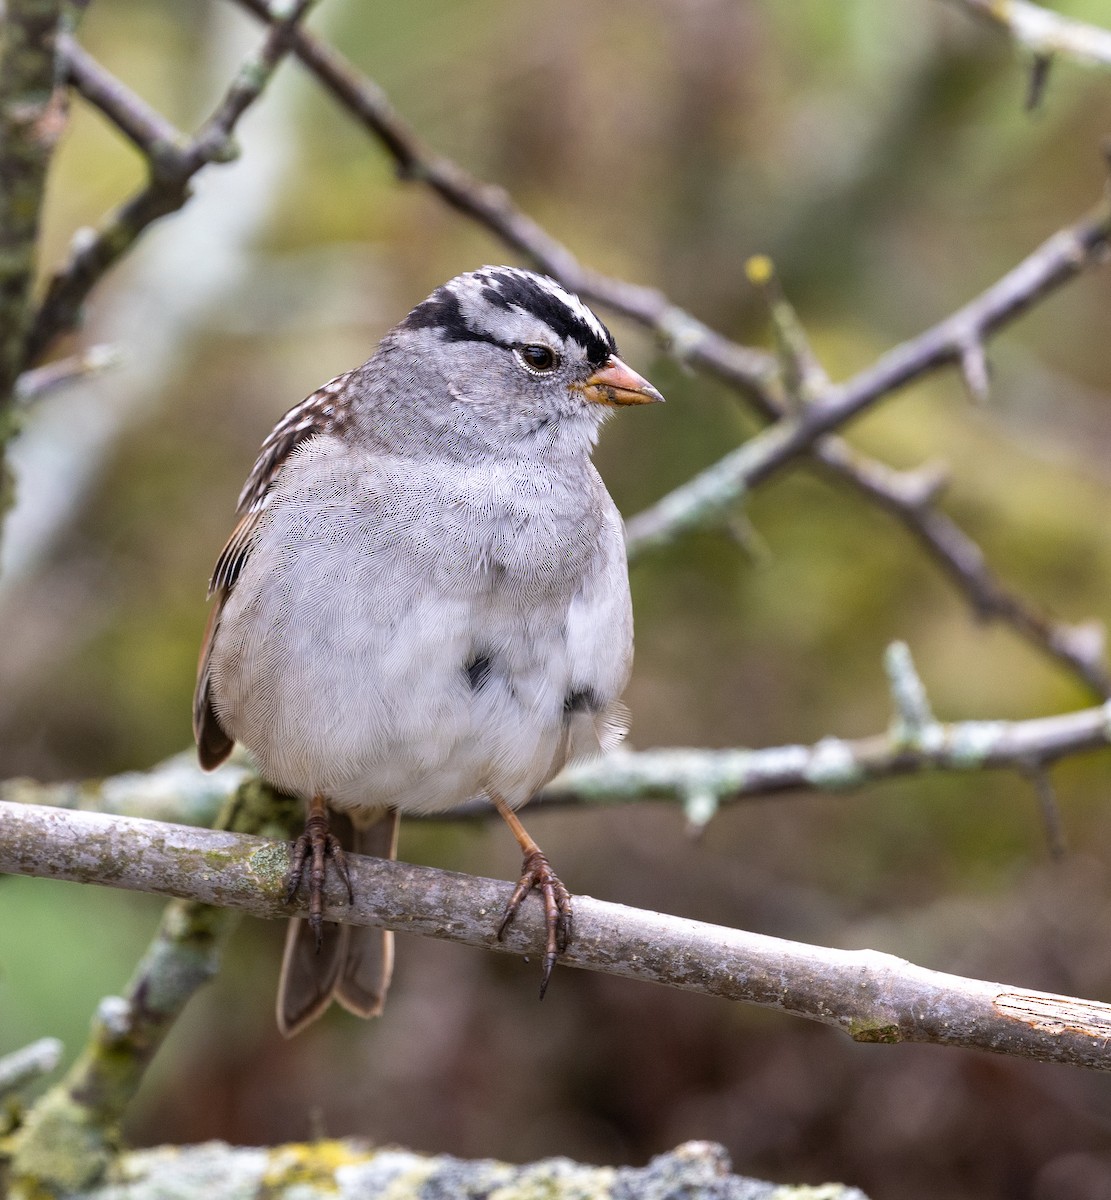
{"points": [[879, 153]]}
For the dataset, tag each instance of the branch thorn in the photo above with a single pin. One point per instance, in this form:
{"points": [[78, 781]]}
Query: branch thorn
{"points": [[913, 716], [974, 369]]}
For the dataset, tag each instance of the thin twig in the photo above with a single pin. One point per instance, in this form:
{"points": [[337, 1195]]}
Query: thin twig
{"points": [[707, 498], [172, 162], [1050, 812], [751, 371], [29, 1064], [910, 498], [870, 996], [1043, 32], [42, 381]]}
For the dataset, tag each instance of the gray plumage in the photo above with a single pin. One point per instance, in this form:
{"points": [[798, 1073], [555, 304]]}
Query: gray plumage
{"points": [[426, 598]]}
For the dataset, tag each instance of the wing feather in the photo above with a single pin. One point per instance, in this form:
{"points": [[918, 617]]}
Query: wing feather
{"points": [[322, 412]]}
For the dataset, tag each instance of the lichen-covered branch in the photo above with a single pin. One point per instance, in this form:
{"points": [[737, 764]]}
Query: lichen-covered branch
{"points": [[1043, 32], [870, 996], [31, 117], [701, 780], [352, 1170]]}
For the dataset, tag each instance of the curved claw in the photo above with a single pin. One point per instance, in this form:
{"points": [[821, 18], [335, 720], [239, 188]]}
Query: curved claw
{"points": [[536, 872]]}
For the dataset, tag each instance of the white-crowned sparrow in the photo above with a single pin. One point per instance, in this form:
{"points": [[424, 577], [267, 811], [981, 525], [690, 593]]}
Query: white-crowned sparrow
{"points": [[426, 598]]}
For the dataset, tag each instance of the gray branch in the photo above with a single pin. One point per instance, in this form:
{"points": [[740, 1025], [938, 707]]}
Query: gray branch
{"points": [[1043, 32], [25, 1066], [172, 162], [178, 790], [707, 498], [872, 997]]}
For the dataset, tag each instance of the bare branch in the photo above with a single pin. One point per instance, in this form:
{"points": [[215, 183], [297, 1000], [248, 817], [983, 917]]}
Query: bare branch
{"points": [[41, 381], [870, 996], [909, 497], [1043, 32], [707, 498], [151, 134], [172, 162], [751, 371], [1050, 812]]}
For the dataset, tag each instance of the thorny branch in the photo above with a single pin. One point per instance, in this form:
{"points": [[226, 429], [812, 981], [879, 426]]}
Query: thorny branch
{"points": [[872, 997], [705, 499]]}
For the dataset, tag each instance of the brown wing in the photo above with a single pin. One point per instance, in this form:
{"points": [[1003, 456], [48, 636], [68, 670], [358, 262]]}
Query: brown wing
{"points": [[321, 412]]}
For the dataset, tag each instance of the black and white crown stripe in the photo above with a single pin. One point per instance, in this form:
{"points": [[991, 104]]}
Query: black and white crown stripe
{"points": [[456, 310], [514, 284]]}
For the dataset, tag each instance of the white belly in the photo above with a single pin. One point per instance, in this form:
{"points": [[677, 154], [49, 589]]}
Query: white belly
{"points": [[362, 693]]}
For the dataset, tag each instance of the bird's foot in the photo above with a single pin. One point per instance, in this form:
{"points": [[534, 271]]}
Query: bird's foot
{"points": [[537, 873], [315, 846]]}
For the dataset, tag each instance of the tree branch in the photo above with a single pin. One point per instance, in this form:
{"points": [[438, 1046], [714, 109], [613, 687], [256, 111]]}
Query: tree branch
{"points": [[178, 790], [1043, 32], [71, 1135], [707, 498], [31, 117], [172, 161], [870, 996], [689, 340], [24, 1066]]}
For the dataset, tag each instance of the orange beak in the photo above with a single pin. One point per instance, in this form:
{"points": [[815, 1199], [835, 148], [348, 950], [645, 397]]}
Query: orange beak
{"points": [[615, 383]]}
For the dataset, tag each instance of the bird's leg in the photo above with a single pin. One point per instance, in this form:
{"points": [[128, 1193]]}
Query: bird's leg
{"points": [[315, 845], [537, 872]]}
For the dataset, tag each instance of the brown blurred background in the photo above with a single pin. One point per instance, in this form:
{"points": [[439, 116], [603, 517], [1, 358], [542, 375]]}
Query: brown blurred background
{"points": [[879, 153]]}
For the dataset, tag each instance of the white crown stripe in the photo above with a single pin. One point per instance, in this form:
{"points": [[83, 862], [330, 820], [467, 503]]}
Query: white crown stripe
{"points": [[464, 286]]}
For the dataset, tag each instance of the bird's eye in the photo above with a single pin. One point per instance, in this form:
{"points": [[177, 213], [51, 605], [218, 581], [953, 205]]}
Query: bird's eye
{"points": [[538, 358]]}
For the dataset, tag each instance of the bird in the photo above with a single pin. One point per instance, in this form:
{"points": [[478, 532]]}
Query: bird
{"points": [[425, 601]]}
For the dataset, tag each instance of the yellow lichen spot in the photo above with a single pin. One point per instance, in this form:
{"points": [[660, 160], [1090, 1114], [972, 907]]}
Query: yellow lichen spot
{"points": [[760, 270], [313, 1163]]}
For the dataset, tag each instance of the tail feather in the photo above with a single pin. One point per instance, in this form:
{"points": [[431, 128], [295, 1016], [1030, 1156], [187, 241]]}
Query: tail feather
{"points": [[354, 963]]}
